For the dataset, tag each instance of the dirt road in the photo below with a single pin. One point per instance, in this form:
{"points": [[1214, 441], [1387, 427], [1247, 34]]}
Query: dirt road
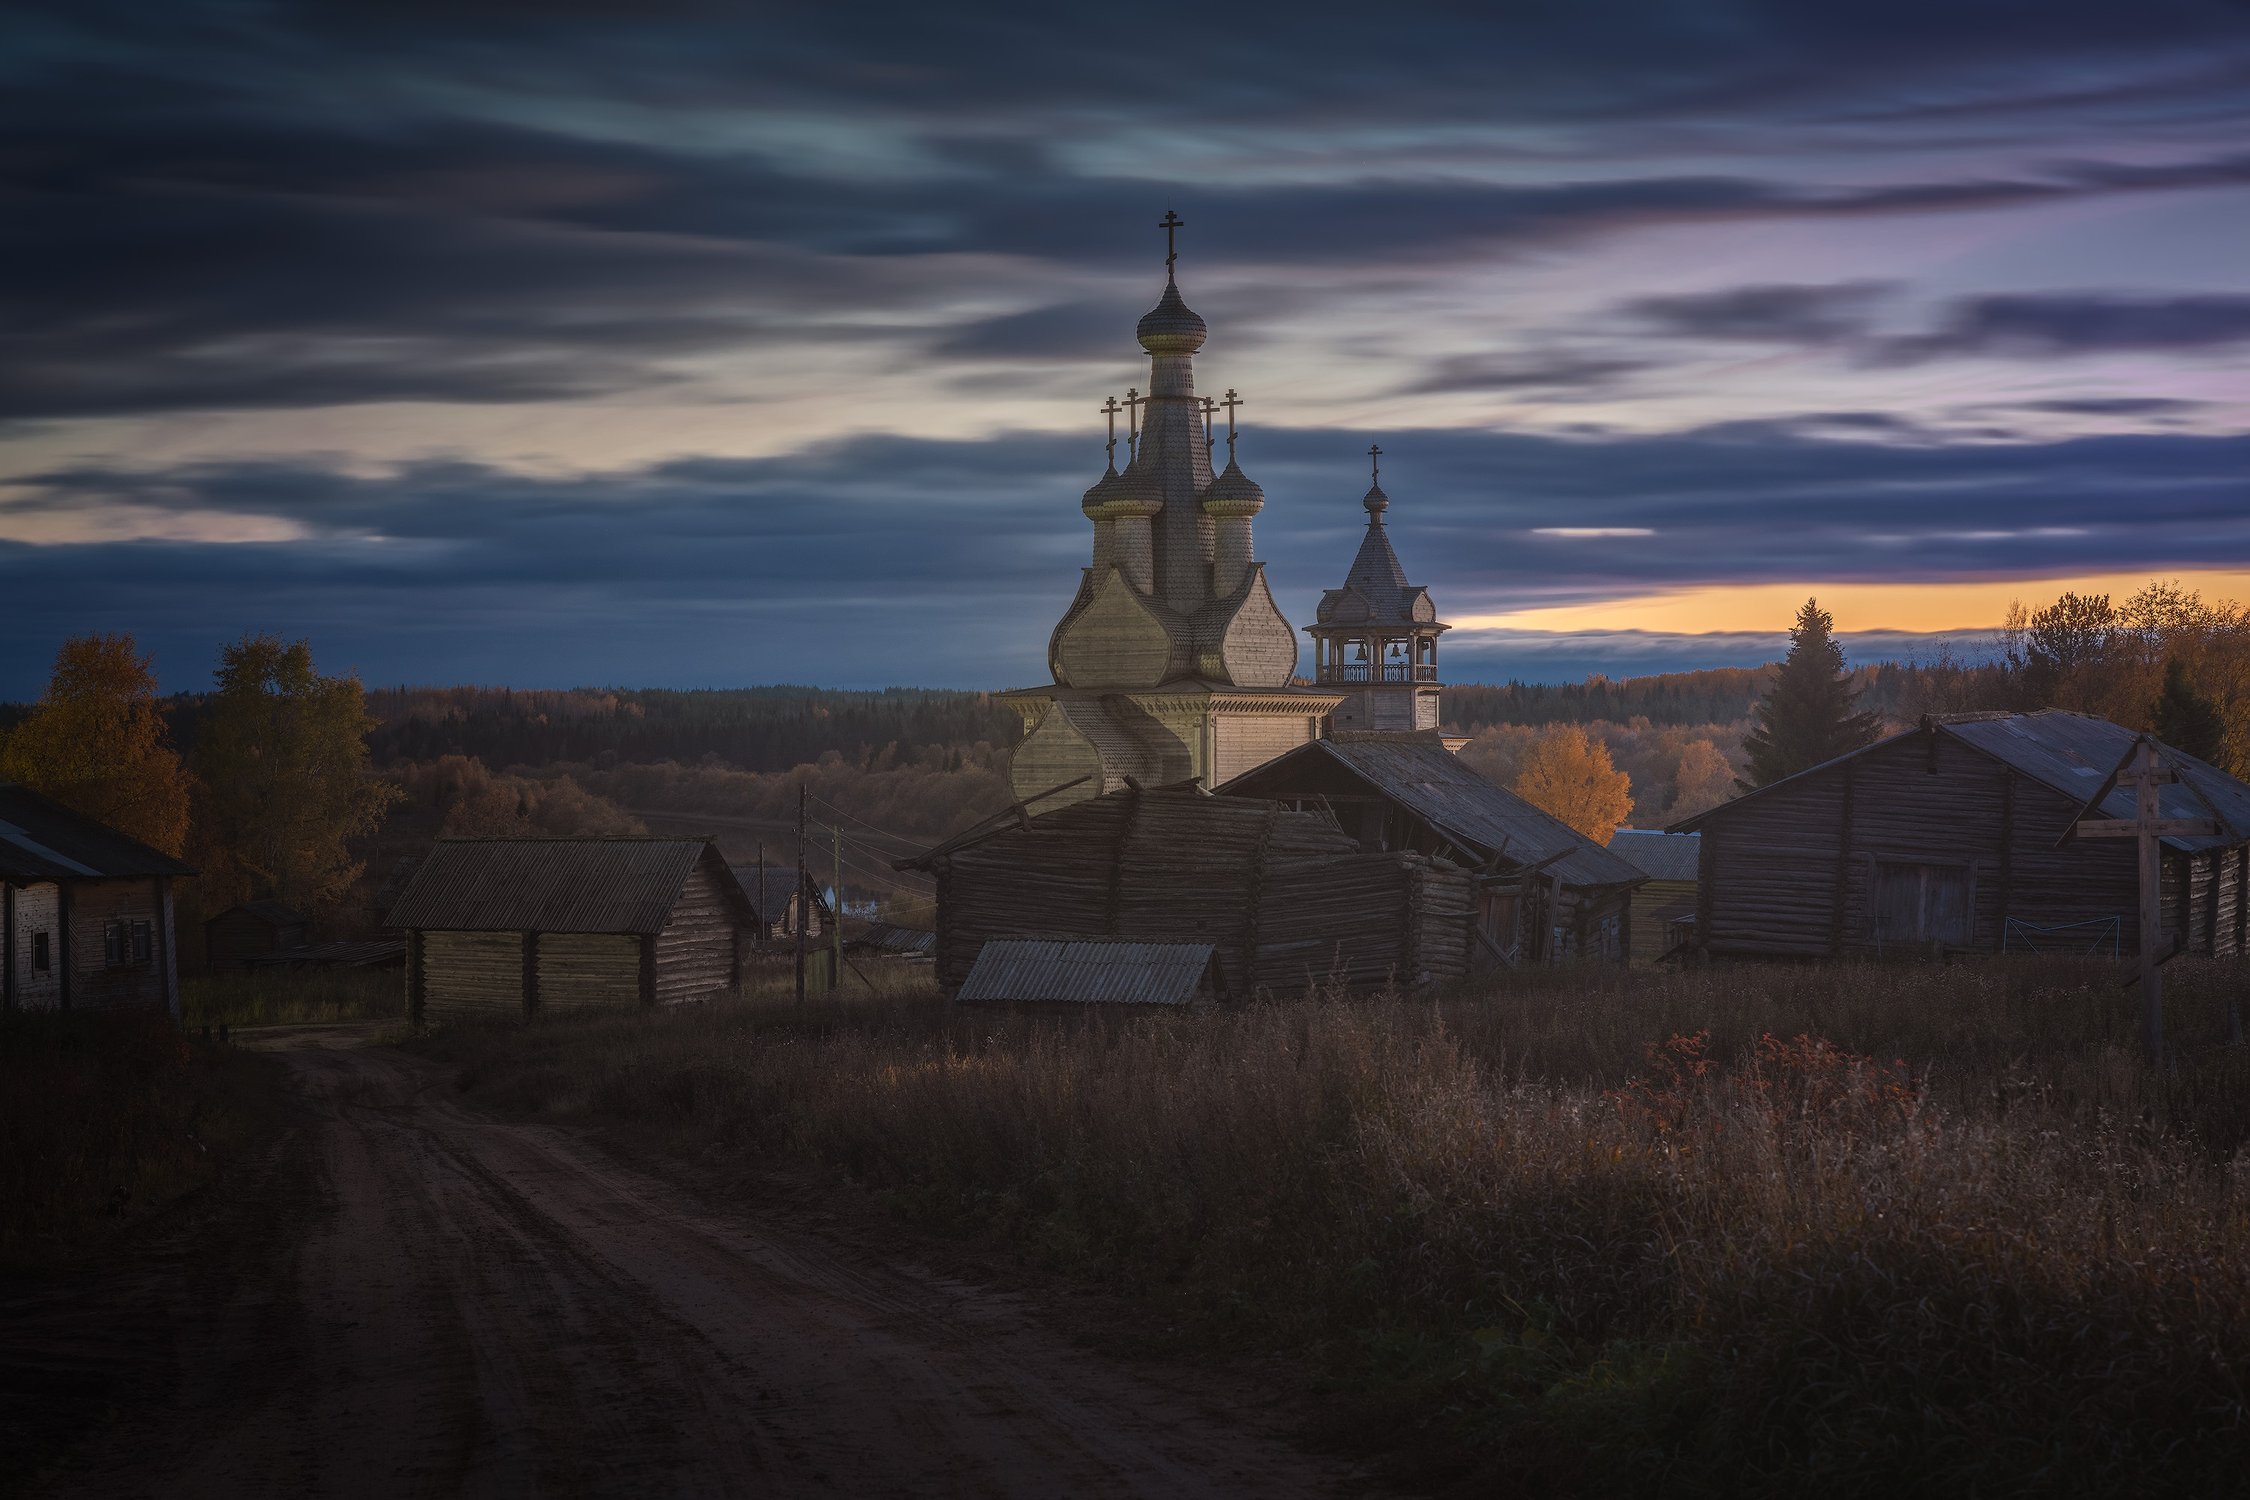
{"points": [[446, 1303]]}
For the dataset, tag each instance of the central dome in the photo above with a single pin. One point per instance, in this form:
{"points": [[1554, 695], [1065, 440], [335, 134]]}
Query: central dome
{"points": [[1171, 327]]}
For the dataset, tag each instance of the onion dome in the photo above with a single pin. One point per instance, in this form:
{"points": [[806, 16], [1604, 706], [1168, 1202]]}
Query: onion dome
{"points": [[1171, 327], [1376, 502], [1233, 494], [1104, 490], [1136, 492]]}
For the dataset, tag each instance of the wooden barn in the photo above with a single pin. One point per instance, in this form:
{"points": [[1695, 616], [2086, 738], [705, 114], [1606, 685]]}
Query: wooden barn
{"points": [[1544, 891], [1947, 839], [1663, 908], [1284, 899], [522, 926], [86, 917], [779, 901], [251, 930]]}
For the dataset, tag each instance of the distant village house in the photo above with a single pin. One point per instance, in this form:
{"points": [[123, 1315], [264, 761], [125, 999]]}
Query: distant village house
{"points": [[522, 926], [86, 913]]}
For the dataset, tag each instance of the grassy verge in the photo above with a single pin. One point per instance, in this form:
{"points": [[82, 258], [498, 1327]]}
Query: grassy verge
{"points": [[1743, 1231], [106, 1118], [273, 997]]}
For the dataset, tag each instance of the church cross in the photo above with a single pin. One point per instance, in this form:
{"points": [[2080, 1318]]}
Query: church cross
{"points": [[1110, 409], [1133, 400], [1230, 404], [1210, 410], [1171, 224], [1375, 464]]}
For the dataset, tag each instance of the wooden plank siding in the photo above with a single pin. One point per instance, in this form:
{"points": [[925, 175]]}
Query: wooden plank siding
{"points": [[472, 974], [696, 951], [1795, 872], [579, 969]]}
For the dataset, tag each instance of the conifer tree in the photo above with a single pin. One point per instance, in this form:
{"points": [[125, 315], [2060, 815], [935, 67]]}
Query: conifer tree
{"points": [[97, 743], [1811, 714], [2185, 719]]}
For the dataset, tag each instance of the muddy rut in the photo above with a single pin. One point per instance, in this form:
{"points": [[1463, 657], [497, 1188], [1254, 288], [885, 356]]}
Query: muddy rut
{"points": [[438, 1302]]}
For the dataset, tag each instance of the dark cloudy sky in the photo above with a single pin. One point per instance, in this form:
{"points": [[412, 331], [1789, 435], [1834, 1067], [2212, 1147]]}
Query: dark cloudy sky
{"points": [[671, 343]]}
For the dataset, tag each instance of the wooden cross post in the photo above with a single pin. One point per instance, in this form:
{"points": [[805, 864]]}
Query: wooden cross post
{"points": [[1132, 423], [2144, 771], [1110, 409], [1375, 465], [1171, 224], [1210, 410], [1232, 401]]}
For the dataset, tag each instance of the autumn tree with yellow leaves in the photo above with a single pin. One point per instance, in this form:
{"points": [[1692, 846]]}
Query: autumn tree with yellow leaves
{"points": [[1571, 778], [281, 758], [97, 744]]}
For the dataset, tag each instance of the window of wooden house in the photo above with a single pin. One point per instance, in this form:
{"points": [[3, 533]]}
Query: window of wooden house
{"points": [[42, 953], [113, 945], [1917, 903], [144, 943]]}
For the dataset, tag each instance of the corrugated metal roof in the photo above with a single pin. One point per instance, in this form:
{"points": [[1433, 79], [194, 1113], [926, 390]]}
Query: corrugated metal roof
{"points": [[884, 937], [549, 885], [1659, 855], [1483, 818], [1087, 973], [2073, 753], [40, 839]]}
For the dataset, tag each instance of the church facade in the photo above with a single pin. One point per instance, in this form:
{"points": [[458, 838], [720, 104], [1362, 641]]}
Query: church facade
{"points": [[1173, 662]]}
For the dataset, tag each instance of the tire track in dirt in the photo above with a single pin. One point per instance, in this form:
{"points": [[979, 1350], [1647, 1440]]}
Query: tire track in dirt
{"points": [[486, 1307]]}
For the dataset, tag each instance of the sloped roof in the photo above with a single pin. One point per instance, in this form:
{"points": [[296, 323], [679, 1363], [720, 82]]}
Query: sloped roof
{"points": [[769, 888], [40, 839], [1486, 820], [550, 885], [1087, 973], [2071, 753], [1659, 855]]}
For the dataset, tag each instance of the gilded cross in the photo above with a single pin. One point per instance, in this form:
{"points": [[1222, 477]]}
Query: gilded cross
{"points": [[1375, 464], [1230, 404], [1110, 409], [1133, 400], [1210, 410], [1171, 224]]}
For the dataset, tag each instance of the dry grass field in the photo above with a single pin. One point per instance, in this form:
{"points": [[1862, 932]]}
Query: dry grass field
{"points": [[1725, 1230]]}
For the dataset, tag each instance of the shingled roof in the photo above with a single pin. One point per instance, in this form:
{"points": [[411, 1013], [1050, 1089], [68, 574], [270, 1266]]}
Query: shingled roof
{"points": [[553, 885], [40, 839]]}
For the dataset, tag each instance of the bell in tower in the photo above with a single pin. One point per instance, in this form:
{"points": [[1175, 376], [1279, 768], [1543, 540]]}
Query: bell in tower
{"points": [[1375, 639]]}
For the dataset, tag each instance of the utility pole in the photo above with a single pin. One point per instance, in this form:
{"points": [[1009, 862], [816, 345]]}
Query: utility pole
{"points": [[836, 917], [803, 908], [2148, 827]]}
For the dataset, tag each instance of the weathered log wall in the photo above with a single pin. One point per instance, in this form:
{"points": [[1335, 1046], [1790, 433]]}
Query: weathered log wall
{"points": [[1794, 872], [1283, 898], [578, 969], [696, 951], [471, 974]]}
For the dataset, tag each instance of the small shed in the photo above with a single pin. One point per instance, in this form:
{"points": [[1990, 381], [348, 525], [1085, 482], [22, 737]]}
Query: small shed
{"points": [[251, 930], [897, 941], [1284, 899], [1663, 908], [1545, 891], [1948, 839], [86, 916], [1032, 971], [522, 926], [777, 896]]}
